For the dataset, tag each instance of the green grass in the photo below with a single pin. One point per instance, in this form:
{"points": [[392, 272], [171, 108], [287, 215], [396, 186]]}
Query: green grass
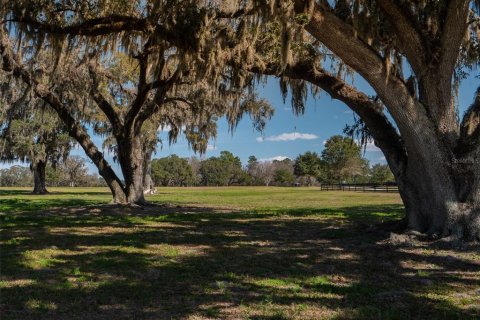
{"points": [[224, 253], [21, 199], [258, 199]]}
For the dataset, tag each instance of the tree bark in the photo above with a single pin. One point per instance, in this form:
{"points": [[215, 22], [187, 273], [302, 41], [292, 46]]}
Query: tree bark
{"points": [[440, 189], [436, 167], [38, 168], [78, 132], [438, 209], [131, 159]]}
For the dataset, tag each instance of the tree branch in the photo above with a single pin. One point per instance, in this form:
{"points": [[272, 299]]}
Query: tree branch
{"points": [[177, 99], [144, 88], [142, 93], [437, 86], [109, 25], [74, 127], [92, 27], [453, 32], [163, 87], [411, 41], [381, 129], [341, 39], [235, 13], [103, 103], [409, 114]]}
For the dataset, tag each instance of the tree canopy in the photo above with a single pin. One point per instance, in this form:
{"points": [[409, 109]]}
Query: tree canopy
{"points": [[131, 63], [343, 159], [225, 170], [308, 165], [413, 54], [32, 133], [172, 171]]}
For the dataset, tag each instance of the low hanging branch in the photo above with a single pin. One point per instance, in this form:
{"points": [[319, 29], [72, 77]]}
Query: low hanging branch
{"points": [[215, 51], [74, 127]]}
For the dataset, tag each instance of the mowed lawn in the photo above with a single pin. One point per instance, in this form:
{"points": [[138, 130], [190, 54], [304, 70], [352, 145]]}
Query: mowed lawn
{"points": [[225, 253]]}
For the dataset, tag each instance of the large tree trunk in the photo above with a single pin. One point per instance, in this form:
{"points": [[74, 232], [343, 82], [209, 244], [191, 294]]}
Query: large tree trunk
{"points": [[113, 182], [436, 211], [38, 168], [131, 158], [79, 133], [440, 195], [435, 161], [439, 185]]}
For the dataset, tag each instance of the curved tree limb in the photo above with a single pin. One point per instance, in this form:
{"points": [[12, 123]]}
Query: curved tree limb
{"points": [[381, 129], [454, 29], [92, 27], [107, 25], [75, 128], [411, 40], [103, 103], [413, 118]]}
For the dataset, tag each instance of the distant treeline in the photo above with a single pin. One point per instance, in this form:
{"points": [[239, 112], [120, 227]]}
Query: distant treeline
{"points": [[340, 162], [72, 172]]}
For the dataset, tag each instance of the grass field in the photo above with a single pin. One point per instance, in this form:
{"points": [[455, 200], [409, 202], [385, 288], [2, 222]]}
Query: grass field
{"points": [[225, 253]]}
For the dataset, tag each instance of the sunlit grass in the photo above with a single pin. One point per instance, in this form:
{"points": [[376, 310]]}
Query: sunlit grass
{"points": [[224, 253], [260, 199]]}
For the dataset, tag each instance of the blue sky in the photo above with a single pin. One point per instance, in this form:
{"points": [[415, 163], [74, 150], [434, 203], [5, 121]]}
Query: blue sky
{"points": [[285, 135]]}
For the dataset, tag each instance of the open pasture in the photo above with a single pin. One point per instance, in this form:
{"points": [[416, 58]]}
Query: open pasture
{"points": [[225, 253]]}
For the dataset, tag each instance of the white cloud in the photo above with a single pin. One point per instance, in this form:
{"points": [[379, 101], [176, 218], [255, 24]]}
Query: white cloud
{"points": [[371, 147], [289, 137], [166, 128], [211, 147], [382, 159], [278, 158]]}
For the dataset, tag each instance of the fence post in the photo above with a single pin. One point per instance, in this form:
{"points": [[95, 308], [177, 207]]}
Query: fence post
{"points": [[360, 187]]}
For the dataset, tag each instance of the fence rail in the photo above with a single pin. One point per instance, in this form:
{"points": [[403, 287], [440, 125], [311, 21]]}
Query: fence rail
{"points": [[389, 187]]}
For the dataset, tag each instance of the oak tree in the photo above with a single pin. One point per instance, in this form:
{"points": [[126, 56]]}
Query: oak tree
{"points": [[177, 52], [414, 54]]}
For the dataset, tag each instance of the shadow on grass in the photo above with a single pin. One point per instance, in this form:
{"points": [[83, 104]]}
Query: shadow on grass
{"points": [[75, 192], [366, 214], [15, 192], [22, 205], [178, 262]]}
